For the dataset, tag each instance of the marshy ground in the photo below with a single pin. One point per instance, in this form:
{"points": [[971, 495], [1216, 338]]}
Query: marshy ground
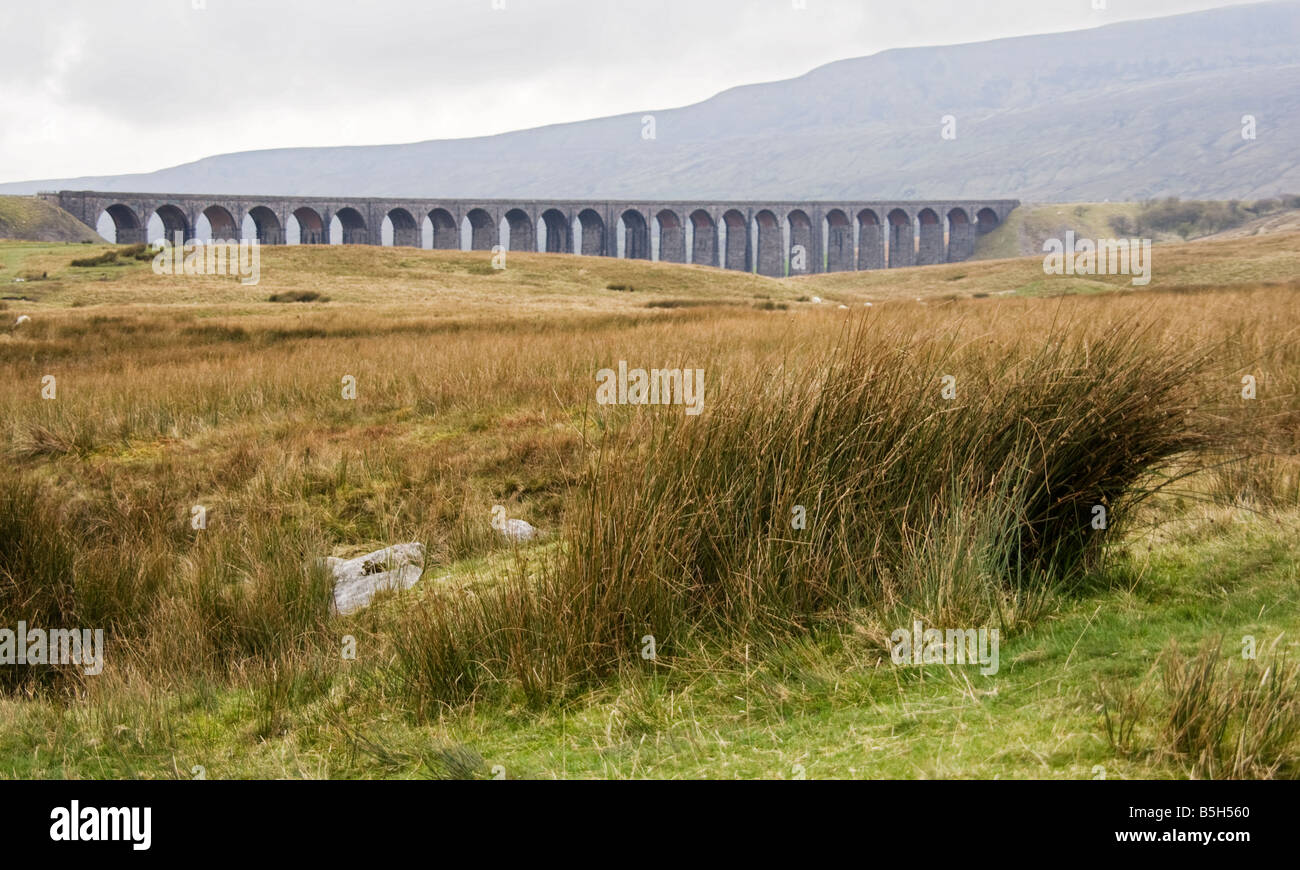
{"points": [[475, 388]]}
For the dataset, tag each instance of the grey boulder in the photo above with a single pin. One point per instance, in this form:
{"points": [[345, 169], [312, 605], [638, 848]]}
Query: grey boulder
{"points": [[357, 580]]}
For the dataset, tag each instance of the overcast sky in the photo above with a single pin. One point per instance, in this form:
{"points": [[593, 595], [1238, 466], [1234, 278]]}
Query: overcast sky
{"points": [[92, 87]]}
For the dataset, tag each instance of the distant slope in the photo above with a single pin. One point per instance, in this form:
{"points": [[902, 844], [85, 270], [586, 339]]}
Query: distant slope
{"points": [[1123, 112], [1029, 226], [1271, 260], [1025, 229], [1287, 221], [31, 219]]}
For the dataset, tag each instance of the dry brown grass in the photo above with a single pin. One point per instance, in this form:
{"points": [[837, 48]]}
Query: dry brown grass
{"points": [[474, 389]]}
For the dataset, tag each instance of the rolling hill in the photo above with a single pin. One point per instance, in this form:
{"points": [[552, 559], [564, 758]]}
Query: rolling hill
{"points": [[1122, 112]]}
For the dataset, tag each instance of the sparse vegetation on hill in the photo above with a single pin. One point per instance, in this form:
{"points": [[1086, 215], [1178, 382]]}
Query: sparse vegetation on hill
{"points": [[1194, 218], [1165, 221]]}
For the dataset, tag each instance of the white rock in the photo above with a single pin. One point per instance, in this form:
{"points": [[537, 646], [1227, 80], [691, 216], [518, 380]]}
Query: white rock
{"points": [[816, 300], [518, 531], [357, 580], [22, 318], [845, 307], [868, 304]]}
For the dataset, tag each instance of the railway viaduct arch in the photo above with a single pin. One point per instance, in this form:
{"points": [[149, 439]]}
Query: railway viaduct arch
{"points": [[762, 236]]}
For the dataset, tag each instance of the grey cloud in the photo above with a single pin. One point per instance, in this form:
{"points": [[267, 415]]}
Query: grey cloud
{"points": [[187, 82]]}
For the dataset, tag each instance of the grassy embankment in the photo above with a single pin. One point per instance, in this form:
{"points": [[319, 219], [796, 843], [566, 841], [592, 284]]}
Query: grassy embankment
{"points": [[26, 217]]}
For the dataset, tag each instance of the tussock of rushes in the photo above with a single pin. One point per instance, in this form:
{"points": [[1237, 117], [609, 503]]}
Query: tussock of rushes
{"points": [[693, 535], [1228, 726], [1218, 720]]}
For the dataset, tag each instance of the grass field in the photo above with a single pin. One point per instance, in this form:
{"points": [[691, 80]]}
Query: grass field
{"points": [[476, 388]]}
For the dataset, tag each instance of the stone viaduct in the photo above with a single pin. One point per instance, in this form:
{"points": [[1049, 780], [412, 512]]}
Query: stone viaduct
{"points": [[776, 238]]}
